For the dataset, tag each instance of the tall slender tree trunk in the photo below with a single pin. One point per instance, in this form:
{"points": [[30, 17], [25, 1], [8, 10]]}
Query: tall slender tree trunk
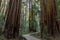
{"points": [[0, 5], [48, 17], [30, 15], [13, 19], [32, 27], [0, 2]]}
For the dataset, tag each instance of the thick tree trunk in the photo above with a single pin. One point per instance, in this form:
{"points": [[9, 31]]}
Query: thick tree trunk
{"points": [[13, 19], [48, 16]]}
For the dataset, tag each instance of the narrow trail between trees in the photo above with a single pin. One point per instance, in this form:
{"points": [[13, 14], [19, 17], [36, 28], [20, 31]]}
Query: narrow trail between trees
{"points": [[29, 37]]}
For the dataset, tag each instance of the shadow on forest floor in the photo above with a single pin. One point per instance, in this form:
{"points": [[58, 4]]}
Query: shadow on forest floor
{"points": [[2, 37], [36, 35], [56, 37]]}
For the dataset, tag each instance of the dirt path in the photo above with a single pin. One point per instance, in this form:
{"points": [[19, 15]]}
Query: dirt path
{"points": [[29, 37]]}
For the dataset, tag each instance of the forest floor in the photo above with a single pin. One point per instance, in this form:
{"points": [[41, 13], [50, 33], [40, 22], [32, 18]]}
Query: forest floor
{"points": [[33, 36], [36, 36], [27, 36], [2, 37]]}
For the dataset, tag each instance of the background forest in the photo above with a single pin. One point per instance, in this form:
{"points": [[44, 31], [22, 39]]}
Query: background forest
{"points": [[30, 16], [35, 6]]}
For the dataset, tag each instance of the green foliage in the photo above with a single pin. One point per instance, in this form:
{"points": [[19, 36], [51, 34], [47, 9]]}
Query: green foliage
{"points": [[2, 18], [35, 21], [58, 6], [36, 11]]}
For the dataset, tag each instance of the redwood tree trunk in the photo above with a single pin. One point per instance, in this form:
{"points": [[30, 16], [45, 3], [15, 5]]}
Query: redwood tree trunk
{"points": [[13, 19], [32, 27], [48, 16]]}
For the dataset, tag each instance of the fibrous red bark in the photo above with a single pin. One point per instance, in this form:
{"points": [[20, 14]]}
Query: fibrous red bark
{"points": [[13, 19], [48, 16]]}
